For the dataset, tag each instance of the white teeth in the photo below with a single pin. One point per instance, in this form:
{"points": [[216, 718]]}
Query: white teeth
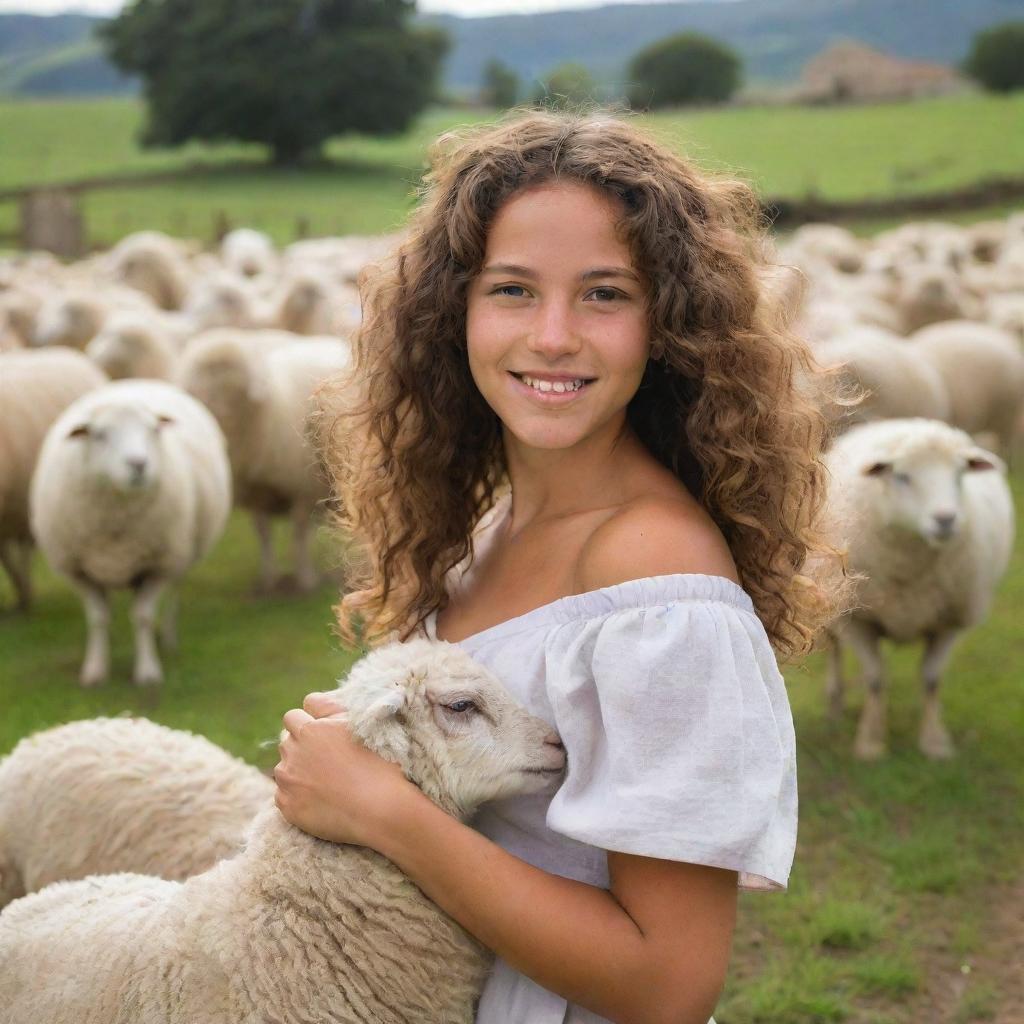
{"points": [[558, 386]]}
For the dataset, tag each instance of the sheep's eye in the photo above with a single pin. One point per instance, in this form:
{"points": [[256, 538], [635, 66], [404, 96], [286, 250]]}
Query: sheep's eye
{"points": [[901, 478], [460, 707]]}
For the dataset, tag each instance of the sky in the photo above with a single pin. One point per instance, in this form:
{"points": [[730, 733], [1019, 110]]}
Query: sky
{"points": [[463, 7]]}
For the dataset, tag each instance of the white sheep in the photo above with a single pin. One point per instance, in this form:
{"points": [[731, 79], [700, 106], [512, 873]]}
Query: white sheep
{"points": [[928, 521], [154, 264], [134, 345], [120, 794], [1006, 311], [927, 294], [259, 387], [892, 378], [132, 487], [35, 387], [248, 253], [294, 928], [982, 368]]}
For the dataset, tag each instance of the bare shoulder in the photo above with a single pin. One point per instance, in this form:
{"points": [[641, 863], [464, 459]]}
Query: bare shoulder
{"points": [[654, 536]]}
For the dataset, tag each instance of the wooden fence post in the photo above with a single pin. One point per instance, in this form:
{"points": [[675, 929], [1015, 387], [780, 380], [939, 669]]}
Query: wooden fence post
{"points": [[50, 219]]}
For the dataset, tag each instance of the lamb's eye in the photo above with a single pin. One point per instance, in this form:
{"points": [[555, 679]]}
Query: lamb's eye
{"points": [[901, 478], [460, 707]]}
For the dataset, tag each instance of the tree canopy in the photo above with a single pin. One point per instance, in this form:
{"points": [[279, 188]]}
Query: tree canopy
{"points": [[684, 68], [500, 86], [996, 59], [288, 73]]}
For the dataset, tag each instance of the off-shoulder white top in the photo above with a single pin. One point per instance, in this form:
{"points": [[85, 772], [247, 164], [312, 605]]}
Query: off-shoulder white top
{"points": [[679, 738]]}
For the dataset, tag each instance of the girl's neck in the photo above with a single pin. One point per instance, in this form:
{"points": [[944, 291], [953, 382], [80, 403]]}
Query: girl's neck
{"points": [[548, 483]]}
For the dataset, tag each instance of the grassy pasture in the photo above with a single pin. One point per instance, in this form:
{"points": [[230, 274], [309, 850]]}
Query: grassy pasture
{"points": [[367, 185], [905, 902]]}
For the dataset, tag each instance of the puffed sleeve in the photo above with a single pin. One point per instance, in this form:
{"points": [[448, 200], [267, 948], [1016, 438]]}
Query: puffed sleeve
{"points": [[679, 738]]}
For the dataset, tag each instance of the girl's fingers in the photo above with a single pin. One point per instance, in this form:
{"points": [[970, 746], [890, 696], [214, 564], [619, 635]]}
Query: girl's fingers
{"points": [[295, 719], [321, 705]]}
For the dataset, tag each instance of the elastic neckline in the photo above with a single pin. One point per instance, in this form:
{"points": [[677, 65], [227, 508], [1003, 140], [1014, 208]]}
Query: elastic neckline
{"points": [[647, 592]]}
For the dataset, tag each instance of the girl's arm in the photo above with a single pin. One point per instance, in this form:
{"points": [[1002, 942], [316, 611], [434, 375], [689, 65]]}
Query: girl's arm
{"points": [[653, 949]]}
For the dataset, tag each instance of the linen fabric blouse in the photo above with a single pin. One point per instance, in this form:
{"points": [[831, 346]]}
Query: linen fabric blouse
{"points": [[678, 734]]}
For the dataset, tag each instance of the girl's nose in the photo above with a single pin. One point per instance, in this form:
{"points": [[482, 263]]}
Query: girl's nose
{"points": [[554, 331]]}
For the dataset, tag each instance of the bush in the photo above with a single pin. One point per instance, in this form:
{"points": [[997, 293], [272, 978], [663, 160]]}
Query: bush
{"points": [[996, 59], [685, 68], [500, 85], [568, 85]]}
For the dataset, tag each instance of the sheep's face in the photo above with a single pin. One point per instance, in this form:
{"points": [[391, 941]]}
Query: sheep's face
{"points": [[118, 351], [69, 321], [121, 447], [451, 725], [225, 383], [924, 490], [219, 303]]}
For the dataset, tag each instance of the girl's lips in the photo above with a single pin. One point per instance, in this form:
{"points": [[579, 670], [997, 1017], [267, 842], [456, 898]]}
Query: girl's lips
{"points": [[549, 398]]}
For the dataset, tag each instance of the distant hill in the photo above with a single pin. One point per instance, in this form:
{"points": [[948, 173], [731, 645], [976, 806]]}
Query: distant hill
{"points": [[57, 54]]}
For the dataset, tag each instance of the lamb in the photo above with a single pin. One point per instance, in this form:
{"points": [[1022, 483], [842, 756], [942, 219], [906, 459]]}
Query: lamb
{"points": [[982, 368], [1006, 312], [122, 794], [261, 394], [35, 387], [293, 927], [71, 318], [154, 264], [928, 521], [248, 253], [892, 378], [132, 487], [927, 294], [134, 345]]}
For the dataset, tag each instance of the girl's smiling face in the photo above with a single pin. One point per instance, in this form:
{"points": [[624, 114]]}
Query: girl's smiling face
{"points": [[556, 326]]}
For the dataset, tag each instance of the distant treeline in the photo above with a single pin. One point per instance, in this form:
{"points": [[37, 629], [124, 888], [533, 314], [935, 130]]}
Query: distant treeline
{"points": [[57, 55]]}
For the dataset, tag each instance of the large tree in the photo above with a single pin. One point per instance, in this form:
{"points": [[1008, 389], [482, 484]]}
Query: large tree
{"points": [[684, 68], [996, 59], [288, 73]]}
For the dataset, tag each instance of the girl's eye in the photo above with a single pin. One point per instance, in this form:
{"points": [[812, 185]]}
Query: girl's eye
{"points": [[513, 291], [460, 707], [607, 294]]}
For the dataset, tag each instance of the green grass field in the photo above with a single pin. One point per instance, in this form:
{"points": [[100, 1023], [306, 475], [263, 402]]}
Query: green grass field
{"points": [[840, 153], [902, 907]]}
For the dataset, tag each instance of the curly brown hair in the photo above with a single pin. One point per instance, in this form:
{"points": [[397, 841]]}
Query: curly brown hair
{"points": [[415, 452]]}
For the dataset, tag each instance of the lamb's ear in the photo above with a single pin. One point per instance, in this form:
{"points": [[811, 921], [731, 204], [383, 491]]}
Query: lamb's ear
{"points": [[877, 469], [979, 459], [388, 704], [82, 430]]}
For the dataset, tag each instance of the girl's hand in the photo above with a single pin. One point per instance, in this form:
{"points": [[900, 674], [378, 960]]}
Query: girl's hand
{"points": [[329, 785]]}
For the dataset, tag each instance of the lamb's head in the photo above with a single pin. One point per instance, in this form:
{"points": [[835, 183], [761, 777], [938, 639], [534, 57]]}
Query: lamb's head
{"points": [[220, 300], [450, 724], [918, 472], [71, 319], [121, 449], [128, 346]]}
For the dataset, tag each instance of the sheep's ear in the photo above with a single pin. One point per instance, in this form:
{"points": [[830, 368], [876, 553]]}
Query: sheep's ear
{"points": [[82, 430], [878, 469], [979, 459], [164, 421], [388, 705]]}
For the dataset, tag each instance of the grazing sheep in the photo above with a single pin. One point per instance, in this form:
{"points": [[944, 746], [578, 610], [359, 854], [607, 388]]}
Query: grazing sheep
{"points": [[928, 521], [134, 345], [132, 487], [893, 380], [35, 387], [982, 368], [120, 794], [304, 304], [1007, 313], [840, 248], [154, 264], [221, 300], [294, 928], [261, 396], [70, 318], [927, 294], [248, 253]]}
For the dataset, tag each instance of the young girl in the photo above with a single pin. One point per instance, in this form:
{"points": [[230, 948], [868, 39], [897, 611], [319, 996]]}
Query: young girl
{"points": [[580, 451]]}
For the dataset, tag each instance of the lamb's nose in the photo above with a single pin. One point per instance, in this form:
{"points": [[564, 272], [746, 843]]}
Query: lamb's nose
{"points": [[554, 740], [944, 521], [137, 466]]}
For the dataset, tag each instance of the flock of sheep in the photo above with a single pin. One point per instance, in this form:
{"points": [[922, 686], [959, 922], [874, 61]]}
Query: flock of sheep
{"points": [[145, 390]]}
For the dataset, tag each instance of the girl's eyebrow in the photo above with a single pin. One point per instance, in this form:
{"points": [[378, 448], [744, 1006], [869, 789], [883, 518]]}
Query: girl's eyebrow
{"points": [[520, 271]]}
